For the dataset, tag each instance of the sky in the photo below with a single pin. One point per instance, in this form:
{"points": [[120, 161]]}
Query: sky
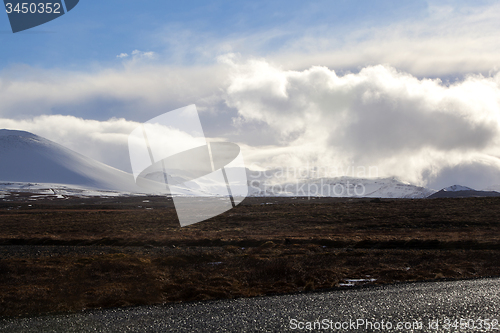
{"points": [[411, 87]]}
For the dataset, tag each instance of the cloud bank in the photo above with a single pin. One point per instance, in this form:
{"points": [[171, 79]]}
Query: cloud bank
{"points": [[424, 131], [137, 90]]}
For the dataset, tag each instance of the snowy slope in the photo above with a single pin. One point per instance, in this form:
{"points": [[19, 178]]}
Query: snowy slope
{"points": [[264, 184], [25, 157]]}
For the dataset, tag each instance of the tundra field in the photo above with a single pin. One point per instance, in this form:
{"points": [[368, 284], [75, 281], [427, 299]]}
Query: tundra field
{"points": [[69, 254]]}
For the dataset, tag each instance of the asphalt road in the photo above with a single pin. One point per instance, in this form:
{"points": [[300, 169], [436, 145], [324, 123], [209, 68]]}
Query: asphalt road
{"points": [[460, 306]]}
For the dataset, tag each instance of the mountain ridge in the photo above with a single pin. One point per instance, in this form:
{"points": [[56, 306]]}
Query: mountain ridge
{"points": [[31, 162]]}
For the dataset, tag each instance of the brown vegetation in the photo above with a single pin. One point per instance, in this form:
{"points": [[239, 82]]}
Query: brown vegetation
{"points": [[68, 255]]}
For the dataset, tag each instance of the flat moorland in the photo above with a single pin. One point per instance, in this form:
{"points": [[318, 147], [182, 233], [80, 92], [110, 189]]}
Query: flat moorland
{"points": [[59, 255]]}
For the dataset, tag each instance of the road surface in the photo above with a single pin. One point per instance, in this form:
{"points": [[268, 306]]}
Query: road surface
{"points": [[458, 306]]}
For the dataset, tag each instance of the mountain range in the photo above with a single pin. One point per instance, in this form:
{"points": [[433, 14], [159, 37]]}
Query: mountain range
{"points": [[29, 162]]}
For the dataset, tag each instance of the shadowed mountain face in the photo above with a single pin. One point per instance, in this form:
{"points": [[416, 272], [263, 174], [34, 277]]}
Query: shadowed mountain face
{"points": [[463, 194], [459, 191], [26, 157]]}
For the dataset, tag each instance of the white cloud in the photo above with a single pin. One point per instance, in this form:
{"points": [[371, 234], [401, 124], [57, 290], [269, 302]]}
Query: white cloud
{"points": [[143, 55], [105, 141], [138, 55]]}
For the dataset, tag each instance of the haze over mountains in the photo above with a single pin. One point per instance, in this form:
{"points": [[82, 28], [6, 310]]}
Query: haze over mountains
{"points": [[28, 161], [337, 187], [26, 157]]}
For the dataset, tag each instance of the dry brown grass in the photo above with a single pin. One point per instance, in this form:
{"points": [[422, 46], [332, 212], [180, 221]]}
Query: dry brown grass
{"points": [[295, 245]]}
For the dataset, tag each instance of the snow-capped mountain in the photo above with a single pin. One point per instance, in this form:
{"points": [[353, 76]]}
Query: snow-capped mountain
{"points": [[456, 188], [338, 187], [29, 158], [459, 191]]}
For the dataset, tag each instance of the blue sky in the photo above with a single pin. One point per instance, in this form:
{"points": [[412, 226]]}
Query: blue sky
{"points": [[412, 87], [95, 32]]}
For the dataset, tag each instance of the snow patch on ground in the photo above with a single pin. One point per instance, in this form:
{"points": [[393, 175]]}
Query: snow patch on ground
{"points": [[355, 282]]}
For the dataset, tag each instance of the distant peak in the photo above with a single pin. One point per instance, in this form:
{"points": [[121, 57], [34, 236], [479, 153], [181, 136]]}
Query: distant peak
{"points": [[455, 188]]}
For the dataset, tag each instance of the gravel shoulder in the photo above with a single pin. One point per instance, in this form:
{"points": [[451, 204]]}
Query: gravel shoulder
{"points": [[425, 307]]}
